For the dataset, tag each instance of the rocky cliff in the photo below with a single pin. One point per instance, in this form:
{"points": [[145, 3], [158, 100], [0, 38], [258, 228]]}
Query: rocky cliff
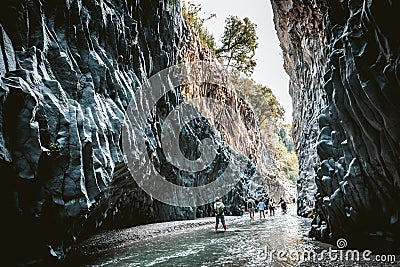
{"points": [[69, 70], [343, 58], [303, 43], [250, 142]]}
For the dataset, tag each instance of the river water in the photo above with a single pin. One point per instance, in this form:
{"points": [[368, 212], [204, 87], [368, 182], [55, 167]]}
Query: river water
{"points": [[261, 242]]}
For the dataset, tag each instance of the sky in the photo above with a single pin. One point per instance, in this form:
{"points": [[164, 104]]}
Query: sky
{"points": [[269, 70]]}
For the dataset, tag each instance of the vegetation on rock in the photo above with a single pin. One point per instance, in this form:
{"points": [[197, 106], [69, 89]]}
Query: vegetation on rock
{"points": [[236, 52], [276, 135], [190, 12], [239, 43], [286, 155]]}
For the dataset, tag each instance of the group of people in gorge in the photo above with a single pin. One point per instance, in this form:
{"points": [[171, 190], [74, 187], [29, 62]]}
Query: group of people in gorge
{"points": [[262, 205]]}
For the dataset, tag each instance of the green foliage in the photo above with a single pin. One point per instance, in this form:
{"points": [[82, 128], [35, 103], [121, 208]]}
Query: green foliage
{"points": [[54, 147], [289, 165], [277, 137], [239, 42], [190, 12], [285, 137], [207, 39], [261, 98]]}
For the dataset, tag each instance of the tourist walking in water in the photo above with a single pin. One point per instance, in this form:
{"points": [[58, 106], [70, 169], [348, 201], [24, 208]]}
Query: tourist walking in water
{"points": [[283, 205], [271, 207], [219, 209], [251, 205], [266, 204], [261, 208]]}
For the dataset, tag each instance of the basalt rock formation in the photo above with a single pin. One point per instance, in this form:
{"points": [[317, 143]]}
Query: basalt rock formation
{"points": [[69, 69], [303, 44], [343, 59]]}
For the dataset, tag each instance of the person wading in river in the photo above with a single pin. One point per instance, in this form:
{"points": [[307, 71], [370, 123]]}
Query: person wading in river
{"points": [[219, 209], [266, 204], [261, 208], [271, 207], [251, 205], [283, 205]]}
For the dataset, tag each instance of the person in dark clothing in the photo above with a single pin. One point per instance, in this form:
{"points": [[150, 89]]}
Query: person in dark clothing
{"points": [[283, 205], [266, 204], [271, 207], [251, 206]]}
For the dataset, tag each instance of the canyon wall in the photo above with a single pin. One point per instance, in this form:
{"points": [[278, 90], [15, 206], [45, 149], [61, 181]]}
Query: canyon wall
{"points": [[69, 70], [300, 29], [342, 59], [250, 142]]}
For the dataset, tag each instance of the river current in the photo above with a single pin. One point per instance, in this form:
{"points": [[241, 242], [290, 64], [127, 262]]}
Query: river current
{"points": [[279, 240]]}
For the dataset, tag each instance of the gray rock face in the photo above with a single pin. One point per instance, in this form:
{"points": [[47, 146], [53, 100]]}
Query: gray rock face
{"points": [[69, 70], [352, 86], [300, 29]]}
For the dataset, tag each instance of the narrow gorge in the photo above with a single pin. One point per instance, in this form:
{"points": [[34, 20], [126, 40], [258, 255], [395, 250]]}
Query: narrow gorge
{"points": [[342, 58]]}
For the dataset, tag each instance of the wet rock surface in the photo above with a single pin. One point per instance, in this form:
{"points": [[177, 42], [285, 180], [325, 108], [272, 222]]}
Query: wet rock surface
{"points": [[69, 70], [346, 87]]}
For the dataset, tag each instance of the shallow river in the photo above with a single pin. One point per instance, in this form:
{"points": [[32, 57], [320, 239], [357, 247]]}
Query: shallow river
{"points": [[245, 243]]}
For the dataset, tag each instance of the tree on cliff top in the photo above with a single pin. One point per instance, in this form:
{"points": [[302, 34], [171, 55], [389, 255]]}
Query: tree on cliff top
{"points": [[190, 12], [239, 42]]}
